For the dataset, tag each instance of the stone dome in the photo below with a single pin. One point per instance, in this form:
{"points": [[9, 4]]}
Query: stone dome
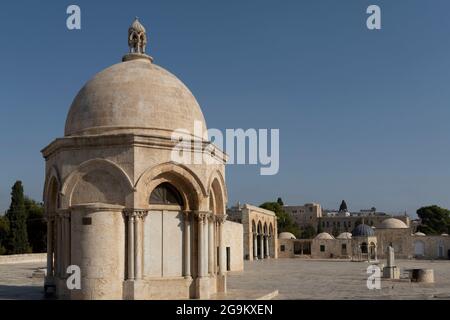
{"points": [[344, 235], [392, 223], [324, 236], [286, 235], [421, 234], [134, 96], [362, 230]]}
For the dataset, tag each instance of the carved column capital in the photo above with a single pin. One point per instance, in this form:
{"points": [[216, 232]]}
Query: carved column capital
{"points": [[201, 215], [135, 213], [221, 218], [211, 217], [62, 214]]}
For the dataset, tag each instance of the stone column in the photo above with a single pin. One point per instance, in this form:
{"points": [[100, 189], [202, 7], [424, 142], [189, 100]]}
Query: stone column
{"points": [[66, 233], [255, 246], [267, 248], [211, 244], [200, 254], [50, 249], [222, 267], [138, 239], [187, 244], [58, 259], [261, 245], [130, 256]]}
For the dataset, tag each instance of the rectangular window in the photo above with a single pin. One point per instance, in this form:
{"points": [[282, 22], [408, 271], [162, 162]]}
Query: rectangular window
{"points": [[322, 248], [282, 248]]}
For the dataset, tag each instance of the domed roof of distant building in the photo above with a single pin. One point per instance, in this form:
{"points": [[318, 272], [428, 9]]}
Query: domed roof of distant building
{"points": [[444, 234], [134, 96], [286, 235], [392, 223], [421, 234], [344, 235], [324, 236], [362, 230]]}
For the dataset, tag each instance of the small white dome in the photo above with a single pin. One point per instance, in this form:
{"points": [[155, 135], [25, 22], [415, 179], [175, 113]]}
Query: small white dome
{"points": [[324, 236], [420, 234], [344, 235], [286, 235], [444, 234], [392, 223]]}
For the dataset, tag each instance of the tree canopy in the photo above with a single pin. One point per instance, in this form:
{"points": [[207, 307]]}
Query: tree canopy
{"points": [[23, 228], [36, 225], [285, 223], [435, 220], [17, 239], [307, 232]]}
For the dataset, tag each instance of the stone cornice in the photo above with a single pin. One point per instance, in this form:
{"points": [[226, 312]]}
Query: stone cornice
{"points": [[98, 207], [127, 140]]}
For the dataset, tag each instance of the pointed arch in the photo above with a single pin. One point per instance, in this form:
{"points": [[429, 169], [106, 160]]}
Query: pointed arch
{"points": [[90, 171], [183, 179], [52, 188]]}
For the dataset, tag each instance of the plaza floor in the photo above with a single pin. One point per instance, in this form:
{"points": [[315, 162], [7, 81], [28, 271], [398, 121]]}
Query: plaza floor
{"points": [[293, 278], [325, 279]]}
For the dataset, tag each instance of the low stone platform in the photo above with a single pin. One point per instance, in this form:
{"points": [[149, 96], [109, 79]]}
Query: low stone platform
{"points": [[245, 295]]}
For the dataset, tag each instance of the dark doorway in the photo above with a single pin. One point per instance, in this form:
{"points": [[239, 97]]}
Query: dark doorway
{"points": [[297, 248]]}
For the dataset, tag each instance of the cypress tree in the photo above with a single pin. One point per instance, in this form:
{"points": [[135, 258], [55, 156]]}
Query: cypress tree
{"points": [[17, 241]]}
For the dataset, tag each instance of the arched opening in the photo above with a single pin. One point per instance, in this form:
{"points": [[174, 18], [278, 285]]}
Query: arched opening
{"points": [[260, 241], [373, 251], [51, 205], [166, 194], [255, 241], [163, 232], [419, 248], [440, 250], [265, 241], [271, 241], [364, 248], [219, 200]]}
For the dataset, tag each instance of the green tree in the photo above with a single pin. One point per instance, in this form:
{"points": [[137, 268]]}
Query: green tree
{"points": [[285, 223], [435, 220], [36, 225], [17, 239], [280, 201], [319, 226], [307, 232], [335, 231], [4, 230]]}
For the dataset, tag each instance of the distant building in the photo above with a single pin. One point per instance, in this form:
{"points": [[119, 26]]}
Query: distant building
{"points": [[338, 221], [304, 215], [260, 231]]}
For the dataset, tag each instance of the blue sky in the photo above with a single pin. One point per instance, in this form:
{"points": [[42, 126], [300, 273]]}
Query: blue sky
{"points": [[363, 115]]}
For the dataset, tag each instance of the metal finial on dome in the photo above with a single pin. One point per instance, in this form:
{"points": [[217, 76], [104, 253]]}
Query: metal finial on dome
{"points": [[137, 37]]}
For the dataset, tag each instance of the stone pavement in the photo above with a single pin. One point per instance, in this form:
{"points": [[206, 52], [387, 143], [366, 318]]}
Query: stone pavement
{"points": [[16, 282], [318, 279], [293, 278]]}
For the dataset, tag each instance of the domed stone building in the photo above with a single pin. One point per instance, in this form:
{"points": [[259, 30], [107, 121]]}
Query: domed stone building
{"points": [[395, 233], [138, 224], [364, 243]]}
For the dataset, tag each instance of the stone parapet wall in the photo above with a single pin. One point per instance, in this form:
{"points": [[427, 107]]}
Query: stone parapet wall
{"points": [[23, 258]]}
